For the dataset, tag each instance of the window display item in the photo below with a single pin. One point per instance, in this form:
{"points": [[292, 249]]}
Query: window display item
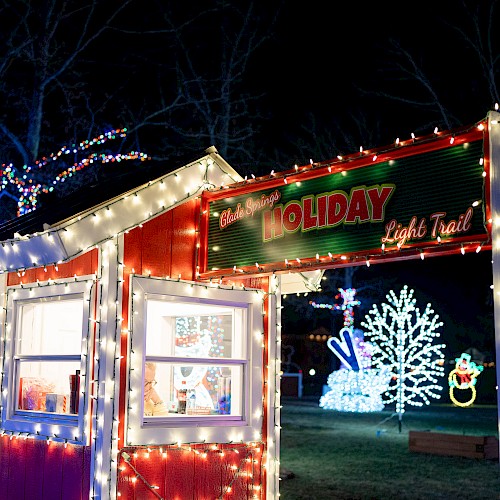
{"points": [[56, 403], [191, 402], [182, 398], [224, 395], [74, 384], [32, 393]]}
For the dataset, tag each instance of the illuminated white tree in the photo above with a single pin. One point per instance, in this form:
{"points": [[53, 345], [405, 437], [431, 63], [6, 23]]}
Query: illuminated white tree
{"points": [[402, 338]]}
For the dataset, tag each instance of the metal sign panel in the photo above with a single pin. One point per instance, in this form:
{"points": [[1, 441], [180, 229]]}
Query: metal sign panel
{"points": [[412, 201]]}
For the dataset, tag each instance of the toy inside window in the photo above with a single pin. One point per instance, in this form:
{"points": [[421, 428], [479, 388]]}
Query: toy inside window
{"points": [[47, 358], [195, 359]]}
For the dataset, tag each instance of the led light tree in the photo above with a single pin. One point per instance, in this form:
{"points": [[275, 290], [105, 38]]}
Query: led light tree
{"points": [[402, 338]]}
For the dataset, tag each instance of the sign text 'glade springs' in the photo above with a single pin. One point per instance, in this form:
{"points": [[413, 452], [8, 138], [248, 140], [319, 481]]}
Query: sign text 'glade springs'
{"points": [[331, 209], [228, 216]]}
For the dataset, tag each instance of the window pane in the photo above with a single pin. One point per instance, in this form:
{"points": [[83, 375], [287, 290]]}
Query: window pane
{"points": [[194, 330], [49, 386], [192, 389], [50, 327]]}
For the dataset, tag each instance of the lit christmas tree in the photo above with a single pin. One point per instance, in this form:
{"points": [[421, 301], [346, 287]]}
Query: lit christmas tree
{"points": [[402, 339]]}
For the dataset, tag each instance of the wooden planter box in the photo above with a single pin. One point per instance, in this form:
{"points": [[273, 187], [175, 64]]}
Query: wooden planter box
{"points": [[437, 443]]}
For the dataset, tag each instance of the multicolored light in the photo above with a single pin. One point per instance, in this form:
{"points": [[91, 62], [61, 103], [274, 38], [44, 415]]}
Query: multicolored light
{"points": [[28, 188], [347, 306]]}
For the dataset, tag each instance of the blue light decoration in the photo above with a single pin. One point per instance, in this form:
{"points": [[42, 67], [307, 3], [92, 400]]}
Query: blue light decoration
{"points": [[347, 307], [344, 349], [355, 387], [464, 377], [402, 339]]}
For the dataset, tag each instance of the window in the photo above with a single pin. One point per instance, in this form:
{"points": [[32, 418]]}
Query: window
{"points": [[196, 356], [46, 358], [196, 360]]}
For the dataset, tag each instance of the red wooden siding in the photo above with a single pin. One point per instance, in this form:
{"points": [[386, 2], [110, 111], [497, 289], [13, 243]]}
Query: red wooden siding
{"points": [[166, 245], [155, 248], [32, 470], [192, 472], [81, 266], [184, 238]]}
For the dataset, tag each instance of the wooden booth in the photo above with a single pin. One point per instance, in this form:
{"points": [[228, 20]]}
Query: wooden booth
{"points": [[140, 342]]}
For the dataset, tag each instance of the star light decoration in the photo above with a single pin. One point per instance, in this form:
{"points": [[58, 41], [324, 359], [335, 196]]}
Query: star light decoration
{"points": [[347, 307], [355, 387], [29, 189], [402, 339]]}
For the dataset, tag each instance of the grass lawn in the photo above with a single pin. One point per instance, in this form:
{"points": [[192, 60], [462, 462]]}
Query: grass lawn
{"points": [[359, 456]]}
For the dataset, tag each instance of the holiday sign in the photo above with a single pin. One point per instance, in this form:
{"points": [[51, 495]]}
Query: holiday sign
{"points": [[436, 197]]}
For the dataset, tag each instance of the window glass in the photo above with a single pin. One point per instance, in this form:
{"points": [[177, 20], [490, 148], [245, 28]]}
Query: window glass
{"points": [[194, 359], [48, 386], [47, 355], [194, 330], [50, 327], [194, 390]]}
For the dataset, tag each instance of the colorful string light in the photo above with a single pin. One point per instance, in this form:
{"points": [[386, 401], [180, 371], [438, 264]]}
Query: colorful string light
{"points": [[29, 189]]}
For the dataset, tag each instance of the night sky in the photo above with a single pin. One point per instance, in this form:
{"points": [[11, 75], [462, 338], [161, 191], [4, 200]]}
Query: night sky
{"points": [[458, 288], [340, 66]]}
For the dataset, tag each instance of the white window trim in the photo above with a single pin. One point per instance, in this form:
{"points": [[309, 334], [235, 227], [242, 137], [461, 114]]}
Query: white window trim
{"points": [[192, 429], [66, 427]]}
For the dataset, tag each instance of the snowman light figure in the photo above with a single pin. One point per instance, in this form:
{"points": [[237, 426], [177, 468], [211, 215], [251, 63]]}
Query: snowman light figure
{"points": [[464, 377], [193, 375]]}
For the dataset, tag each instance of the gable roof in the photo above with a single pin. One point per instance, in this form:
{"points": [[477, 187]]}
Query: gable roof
{"points": [[63, 231]]}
